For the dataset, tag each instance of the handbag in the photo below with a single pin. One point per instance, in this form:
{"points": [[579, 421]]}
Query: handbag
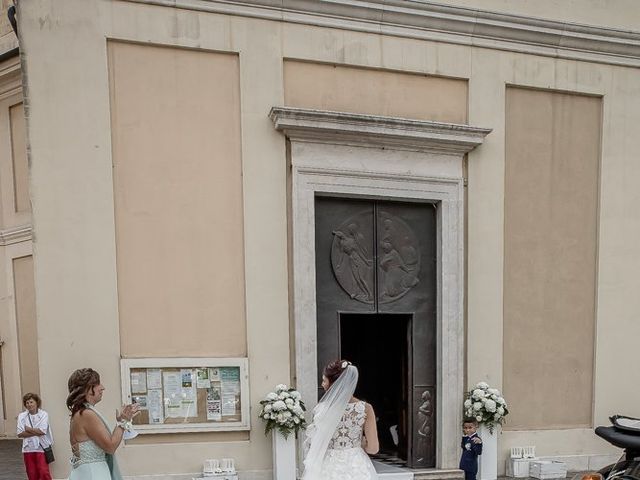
{"points": [[48, 454], [48, 451]]}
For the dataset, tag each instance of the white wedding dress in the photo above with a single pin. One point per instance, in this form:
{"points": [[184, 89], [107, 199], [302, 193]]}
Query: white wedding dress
{"points": [[345, 459]]}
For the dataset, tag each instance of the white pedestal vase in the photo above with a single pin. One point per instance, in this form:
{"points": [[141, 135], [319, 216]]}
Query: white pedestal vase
{"points": [[284, 456], [488, 461]]}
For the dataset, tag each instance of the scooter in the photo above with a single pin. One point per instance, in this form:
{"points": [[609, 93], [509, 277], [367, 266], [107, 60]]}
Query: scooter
{"points": [[624, 432]]}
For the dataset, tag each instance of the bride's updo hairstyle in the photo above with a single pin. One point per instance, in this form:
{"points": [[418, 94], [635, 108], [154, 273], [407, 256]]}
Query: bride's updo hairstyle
{"points": [[335, 369], [79, 384]]}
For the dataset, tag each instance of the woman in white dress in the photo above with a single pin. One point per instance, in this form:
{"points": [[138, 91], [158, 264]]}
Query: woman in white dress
{"points": [[343, 430], [93, 443]]}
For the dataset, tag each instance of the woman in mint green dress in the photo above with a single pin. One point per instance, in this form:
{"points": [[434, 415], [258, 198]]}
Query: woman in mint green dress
{"points": [[93, 443]]}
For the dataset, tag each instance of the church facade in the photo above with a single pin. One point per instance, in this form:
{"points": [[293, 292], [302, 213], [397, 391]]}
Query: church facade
{"points": [[216, 197]]}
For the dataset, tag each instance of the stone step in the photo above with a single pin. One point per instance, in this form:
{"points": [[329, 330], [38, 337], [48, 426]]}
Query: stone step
{"points": [[438, 474], [391, 472]]}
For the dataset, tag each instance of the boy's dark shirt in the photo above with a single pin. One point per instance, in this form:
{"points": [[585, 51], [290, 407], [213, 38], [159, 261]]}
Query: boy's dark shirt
{"points": [[469, 459]]}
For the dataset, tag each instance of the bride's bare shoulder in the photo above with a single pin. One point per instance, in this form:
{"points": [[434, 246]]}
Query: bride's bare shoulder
{"points": [[367, 406]]}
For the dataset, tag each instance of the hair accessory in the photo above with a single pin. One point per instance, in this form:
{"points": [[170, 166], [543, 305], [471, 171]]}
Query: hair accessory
{"points": [[345, 364]]}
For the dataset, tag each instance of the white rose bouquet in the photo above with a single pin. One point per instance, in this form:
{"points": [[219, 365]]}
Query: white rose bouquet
{"points": [[486, 405], [283, 410]]}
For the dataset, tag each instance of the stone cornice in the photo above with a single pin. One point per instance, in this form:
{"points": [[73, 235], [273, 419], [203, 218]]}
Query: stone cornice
{"points": [[433, 21], [8, 41], [13, 235], [376, 131]]}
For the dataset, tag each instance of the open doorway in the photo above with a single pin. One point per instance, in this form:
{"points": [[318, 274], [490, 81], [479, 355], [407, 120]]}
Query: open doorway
{"points": [[379, 345]]}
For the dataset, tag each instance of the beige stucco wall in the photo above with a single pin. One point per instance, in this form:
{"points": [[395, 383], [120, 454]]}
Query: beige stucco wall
{"points": [[178, 201], [26, 319], [73, 200], [486, 236], [552, 163], [79, 317]]}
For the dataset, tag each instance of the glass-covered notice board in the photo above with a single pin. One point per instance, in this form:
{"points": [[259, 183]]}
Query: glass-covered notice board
{"points": [[187, 394]]}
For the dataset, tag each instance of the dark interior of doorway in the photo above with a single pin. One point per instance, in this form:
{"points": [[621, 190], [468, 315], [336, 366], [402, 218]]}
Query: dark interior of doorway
{"points": [[379, 345]]}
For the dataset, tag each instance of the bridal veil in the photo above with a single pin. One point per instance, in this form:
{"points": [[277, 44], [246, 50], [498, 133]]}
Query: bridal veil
{"points": [[326, 416]]}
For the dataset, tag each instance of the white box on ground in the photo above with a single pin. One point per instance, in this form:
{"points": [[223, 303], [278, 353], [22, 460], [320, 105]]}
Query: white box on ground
{"points": [[518, 467], [523, 452], [547, 469]]}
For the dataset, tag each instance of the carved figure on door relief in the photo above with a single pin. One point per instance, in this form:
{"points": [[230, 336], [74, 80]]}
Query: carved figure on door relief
{"points": [[352, 262], [425, 414], [399, 262]]}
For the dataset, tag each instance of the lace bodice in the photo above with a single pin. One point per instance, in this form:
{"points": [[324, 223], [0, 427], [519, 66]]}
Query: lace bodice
{"points": [[348, 433], [87, 452]]}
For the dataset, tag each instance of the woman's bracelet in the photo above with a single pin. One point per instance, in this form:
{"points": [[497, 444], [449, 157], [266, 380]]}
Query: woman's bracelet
{"points": [[125, 425]]}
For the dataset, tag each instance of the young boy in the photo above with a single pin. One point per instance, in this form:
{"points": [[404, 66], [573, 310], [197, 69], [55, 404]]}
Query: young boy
{"points": [[471, 447]]}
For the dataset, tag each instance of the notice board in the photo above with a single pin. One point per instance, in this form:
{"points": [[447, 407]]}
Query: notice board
{"points": [[187, 394]]}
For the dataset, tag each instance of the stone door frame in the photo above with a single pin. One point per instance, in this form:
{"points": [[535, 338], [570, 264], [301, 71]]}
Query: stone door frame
{"points": [[386, 158]]}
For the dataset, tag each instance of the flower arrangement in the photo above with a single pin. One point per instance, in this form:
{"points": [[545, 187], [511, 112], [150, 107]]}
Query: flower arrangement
{"points": [[283, 410], [486, 405]]}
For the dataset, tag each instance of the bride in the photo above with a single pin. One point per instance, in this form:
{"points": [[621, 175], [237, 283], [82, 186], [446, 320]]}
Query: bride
{"points": [[343, 429]]}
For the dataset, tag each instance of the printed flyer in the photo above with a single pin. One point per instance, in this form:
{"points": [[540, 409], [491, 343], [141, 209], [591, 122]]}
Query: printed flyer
{"points": [[214, 405], [230, 387]]}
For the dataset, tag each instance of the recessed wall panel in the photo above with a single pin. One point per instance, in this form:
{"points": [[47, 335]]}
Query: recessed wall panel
{"points": [[178, 201], [551, 213], [19, 159], [376, 92]]}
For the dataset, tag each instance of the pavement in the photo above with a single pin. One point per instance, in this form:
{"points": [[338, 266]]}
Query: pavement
{"points": [[11, 464]]}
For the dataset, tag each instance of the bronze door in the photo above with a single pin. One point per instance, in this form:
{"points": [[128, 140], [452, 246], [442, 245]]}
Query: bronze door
{"points": [[376, 305]]}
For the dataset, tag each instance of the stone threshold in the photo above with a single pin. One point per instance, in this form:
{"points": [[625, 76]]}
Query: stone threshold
{"points": [[392, 472], [438, 474]]}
